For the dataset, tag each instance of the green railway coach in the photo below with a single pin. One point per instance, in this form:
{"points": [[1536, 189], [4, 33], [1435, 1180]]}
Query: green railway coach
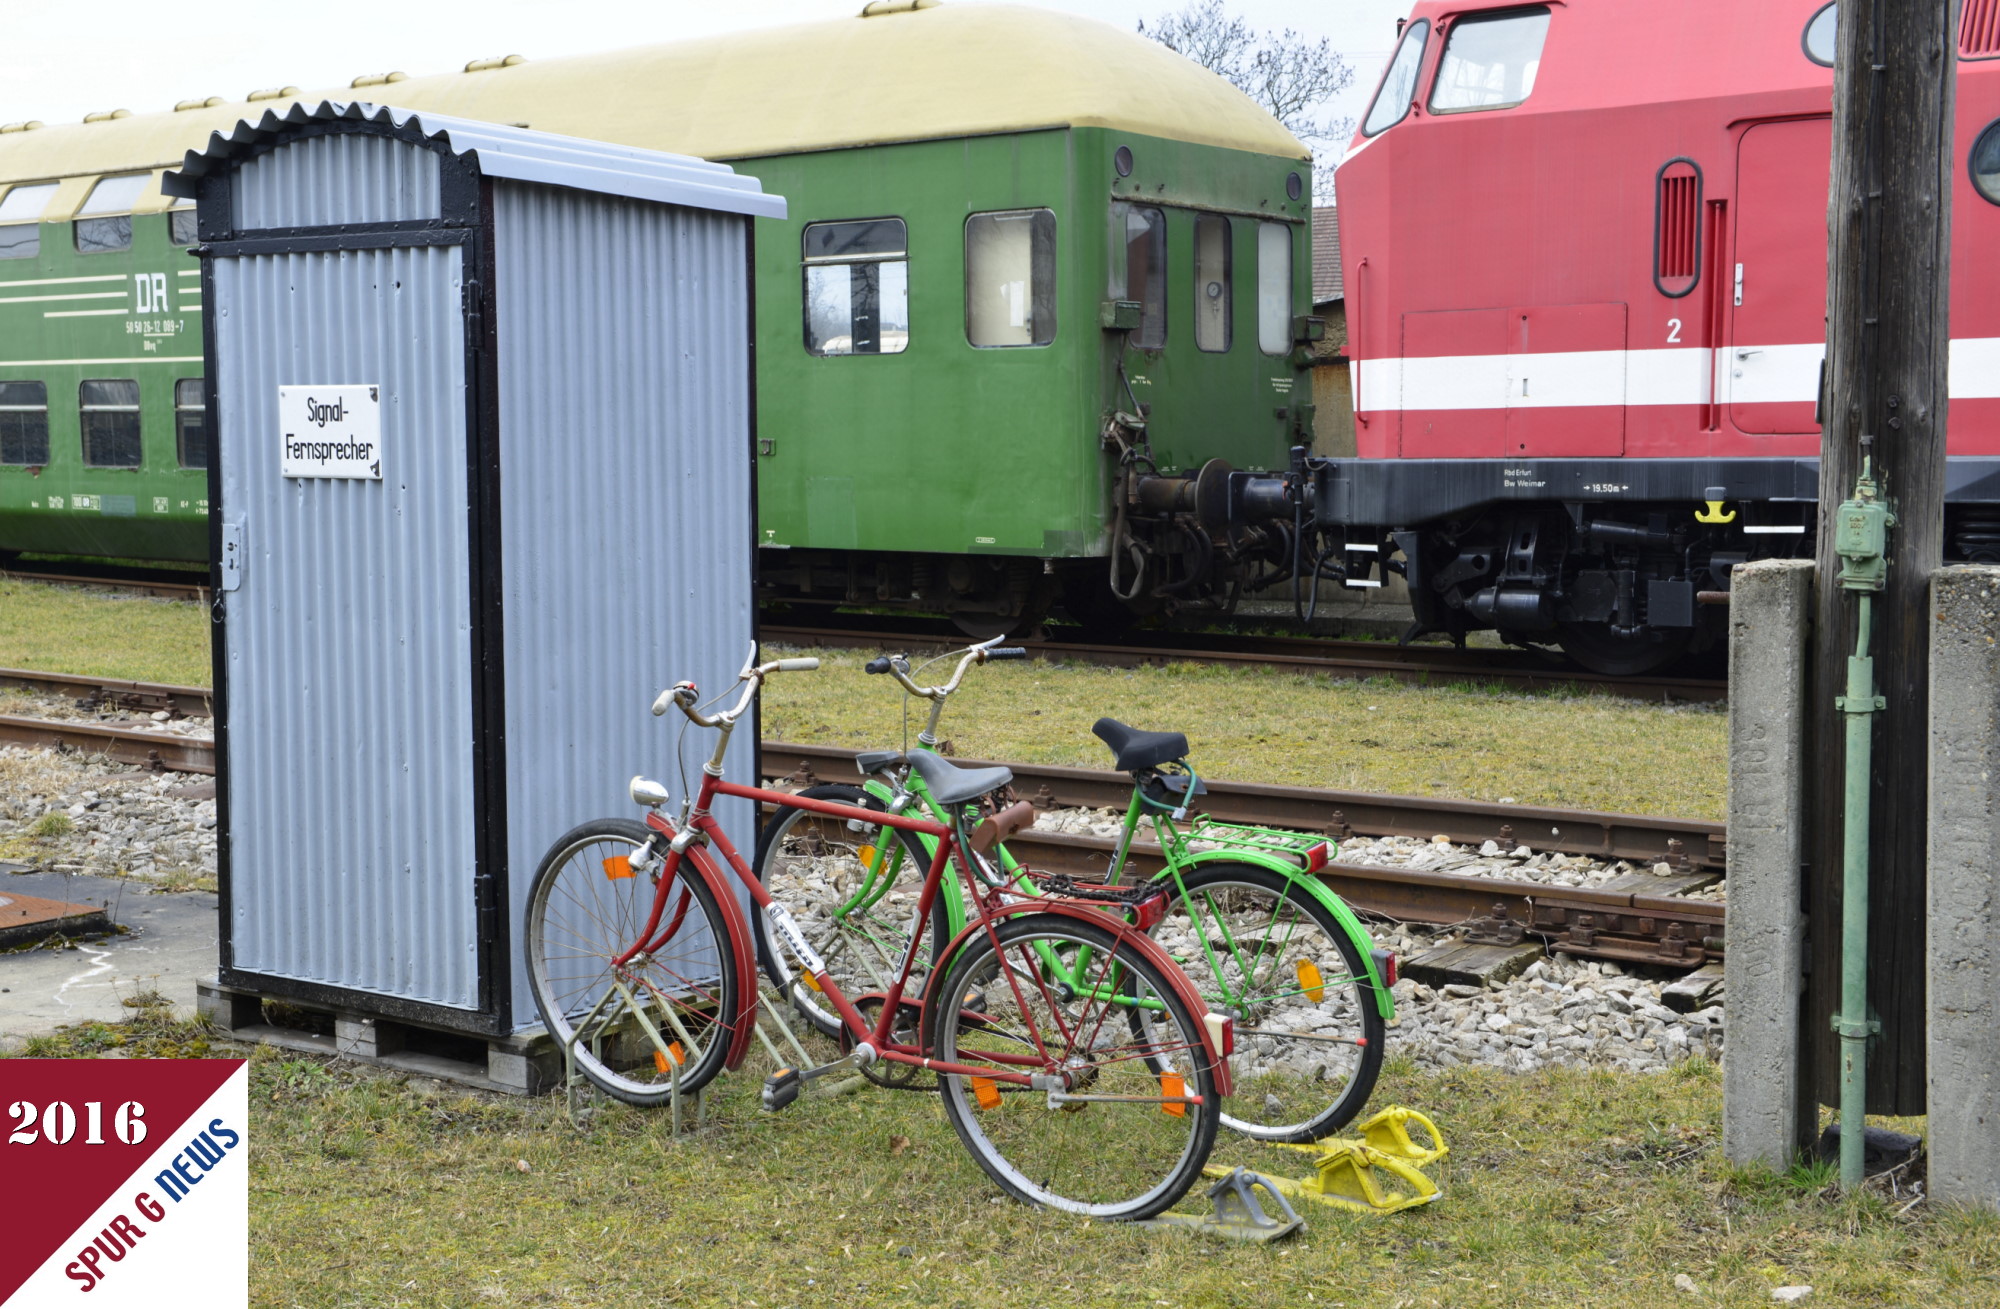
{"points": [[1026, 253]]}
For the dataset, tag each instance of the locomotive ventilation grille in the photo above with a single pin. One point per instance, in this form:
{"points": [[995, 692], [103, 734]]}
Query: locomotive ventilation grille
{"points": [[1676, 238], [1979, 28]]}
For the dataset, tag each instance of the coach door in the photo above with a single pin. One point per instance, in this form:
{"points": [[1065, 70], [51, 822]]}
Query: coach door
{"points": [[1769, 369]]}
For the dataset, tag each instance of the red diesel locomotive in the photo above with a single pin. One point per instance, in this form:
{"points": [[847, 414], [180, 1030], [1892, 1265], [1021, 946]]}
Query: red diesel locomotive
{"points": [[1584, 248]]}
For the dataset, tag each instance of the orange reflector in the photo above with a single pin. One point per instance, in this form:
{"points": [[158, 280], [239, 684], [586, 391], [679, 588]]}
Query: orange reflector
{"points": [[812, 982], [618, 866], [986, 1092], [1174, 1087], [1311, 982], [670, 1058], [866, 854]]}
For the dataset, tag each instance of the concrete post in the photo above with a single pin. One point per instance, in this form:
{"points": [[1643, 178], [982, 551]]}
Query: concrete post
{"points": [[1963, 1001], [1770, 608]]}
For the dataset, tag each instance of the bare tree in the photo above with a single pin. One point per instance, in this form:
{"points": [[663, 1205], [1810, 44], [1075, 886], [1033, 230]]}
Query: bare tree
{"points": [[1289, 75]]}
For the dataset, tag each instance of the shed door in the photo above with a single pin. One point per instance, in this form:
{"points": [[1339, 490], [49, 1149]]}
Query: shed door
{"points": [[1770, 369], [348, 639]]}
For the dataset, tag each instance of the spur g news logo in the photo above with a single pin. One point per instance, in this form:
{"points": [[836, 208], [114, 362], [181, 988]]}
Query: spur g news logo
{"points": [[127, 1182]]}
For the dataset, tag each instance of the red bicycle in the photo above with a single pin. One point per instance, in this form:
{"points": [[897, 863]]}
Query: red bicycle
{"points": [[1076, 1062]]}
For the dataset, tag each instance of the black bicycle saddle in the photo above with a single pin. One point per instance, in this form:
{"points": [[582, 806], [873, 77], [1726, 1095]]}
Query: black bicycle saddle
{"points": [[1135, 750], [952, 784]]}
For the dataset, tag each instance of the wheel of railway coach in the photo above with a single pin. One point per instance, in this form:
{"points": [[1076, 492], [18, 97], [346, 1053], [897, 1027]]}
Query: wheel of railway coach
{"points": [[1601, 650]]}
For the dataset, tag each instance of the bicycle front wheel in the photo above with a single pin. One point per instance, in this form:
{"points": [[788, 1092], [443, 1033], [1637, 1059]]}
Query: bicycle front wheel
{"points": [[852, 886], [1126, 1113], [659, 1019], [1309, 1038]]}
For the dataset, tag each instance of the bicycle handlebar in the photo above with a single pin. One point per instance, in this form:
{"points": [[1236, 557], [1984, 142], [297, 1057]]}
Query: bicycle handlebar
{"points": [[898, 666], [683, 695]]}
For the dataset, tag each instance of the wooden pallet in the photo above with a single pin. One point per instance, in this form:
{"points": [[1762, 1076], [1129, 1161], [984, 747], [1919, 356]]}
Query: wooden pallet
{"points": [[525, 1063]]}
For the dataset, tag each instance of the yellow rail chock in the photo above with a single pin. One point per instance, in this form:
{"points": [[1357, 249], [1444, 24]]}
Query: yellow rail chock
{"points": [[1378, 1174]]}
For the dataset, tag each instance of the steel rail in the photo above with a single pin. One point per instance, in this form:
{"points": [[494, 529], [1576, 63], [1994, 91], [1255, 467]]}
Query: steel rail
{"points": [[1418, 664], [189, 701], [1685, 843], [111, 579], [163, 750]]}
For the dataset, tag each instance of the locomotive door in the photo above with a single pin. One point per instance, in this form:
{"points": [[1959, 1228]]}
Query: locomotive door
{"points": [[1566, 381], [1769, 368], [347, 641]]}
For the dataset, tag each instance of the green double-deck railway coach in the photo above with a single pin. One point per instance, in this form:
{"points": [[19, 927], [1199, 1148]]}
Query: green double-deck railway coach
{"points": [[1031, 260]]}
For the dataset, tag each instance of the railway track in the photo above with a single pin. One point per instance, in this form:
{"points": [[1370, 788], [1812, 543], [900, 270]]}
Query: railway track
{"points": [[1621, 922], [1421, 664], [1624, 923], [169, 584]]}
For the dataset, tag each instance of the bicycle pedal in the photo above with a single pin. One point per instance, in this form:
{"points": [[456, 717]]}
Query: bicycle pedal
{"points": [[782, 1088]]}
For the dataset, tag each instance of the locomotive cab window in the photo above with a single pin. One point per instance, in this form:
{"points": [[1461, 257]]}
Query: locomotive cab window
{"points": [[110, 414], [190, 423], [1274, 288], [1010, 278], [1144, 234], [857, 287], [1399, 85], [104, 223], [1212, 294], [24, 423], [1490, 61], [20, 208]]}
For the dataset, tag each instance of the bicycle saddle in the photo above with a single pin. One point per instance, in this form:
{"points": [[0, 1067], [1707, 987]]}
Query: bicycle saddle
{"points": [[1135, 750], [874, 761], [951, 784]]}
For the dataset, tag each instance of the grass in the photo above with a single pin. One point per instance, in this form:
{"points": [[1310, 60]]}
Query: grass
{"points": [[1468, 741], [1577, 1189], [102, 634]]}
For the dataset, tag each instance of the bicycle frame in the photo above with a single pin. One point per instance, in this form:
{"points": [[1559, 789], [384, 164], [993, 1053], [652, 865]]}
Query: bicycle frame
{"points": [[685, 848]]}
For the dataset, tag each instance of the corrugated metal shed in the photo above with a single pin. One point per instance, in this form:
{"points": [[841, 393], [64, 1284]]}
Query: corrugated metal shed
{"points": [[482, 486], [1326, 255]]}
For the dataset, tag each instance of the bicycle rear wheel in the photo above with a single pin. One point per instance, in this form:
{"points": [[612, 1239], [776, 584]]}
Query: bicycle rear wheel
{"points": [[1134, 1112], [662, 1016], [1309, 1038], [852, 886]]}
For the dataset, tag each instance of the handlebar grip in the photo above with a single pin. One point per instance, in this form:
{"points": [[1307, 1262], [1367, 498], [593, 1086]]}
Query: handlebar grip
{"points": [[805, 665], [879, 664], [1008, 652]]}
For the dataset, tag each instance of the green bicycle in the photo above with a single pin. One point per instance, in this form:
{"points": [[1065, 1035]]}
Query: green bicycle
{"points": [[1266, 941]]}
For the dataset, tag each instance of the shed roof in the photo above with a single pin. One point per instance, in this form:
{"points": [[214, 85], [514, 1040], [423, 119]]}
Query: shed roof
{"points": [[1326, 255], [510, 152], [920, 74]]}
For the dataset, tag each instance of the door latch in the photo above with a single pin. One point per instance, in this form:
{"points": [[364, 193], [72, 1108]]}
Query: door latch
{"points": [[232, 553]]}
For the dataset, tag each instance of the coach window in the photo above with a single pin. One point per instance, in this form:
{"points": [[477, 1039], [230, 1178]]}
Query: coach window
{"points": [[1145, 237], [190, 423], [1490, 61], [180, 225], [104, 224], [857, 280], [1212, 295], [1274, 288], [1010, 278], [1818, 38], [1399, 85], [20, 210], [24, 423], [110, 412]]}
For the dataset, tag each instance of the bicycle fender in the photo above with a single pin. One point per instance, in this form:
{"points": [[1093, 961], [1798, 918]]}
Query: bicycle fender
{"points": [[1127, 934], [1357, 931], [741, 946]]}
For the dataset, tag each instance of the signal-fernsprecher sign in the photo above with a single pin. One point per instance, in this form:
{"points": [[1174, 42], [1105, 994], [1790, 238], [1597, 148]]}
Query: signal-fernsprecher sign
{"points": [[331, 431], [127, 1182]]}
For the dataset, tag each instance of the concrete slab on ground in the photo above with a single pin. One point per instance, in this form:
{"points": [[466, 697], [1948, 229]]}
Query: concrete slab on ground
{"points": [[170, 942]]}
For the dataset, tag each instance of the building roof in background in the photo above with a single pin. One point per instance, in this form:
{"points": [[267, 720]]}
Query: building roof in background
{"points": [[1326, 256]]}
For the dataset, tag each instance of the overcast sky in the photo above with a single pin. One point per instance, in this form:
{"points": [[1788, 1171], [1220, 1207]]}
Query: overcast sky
{"points": [[61, 60]]}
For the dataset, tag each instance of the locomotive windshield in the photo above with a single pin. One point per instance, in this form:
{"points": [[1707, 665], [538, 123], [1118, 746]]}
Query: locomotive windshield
{"points": [[1490, 62], [20, 234], [1399, 84]]}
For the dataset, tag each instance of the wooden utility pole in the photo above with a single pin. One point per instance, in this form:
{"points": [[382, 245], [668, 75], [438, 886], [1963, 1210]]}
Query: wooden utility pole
{"points": [[1888, 294]]}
